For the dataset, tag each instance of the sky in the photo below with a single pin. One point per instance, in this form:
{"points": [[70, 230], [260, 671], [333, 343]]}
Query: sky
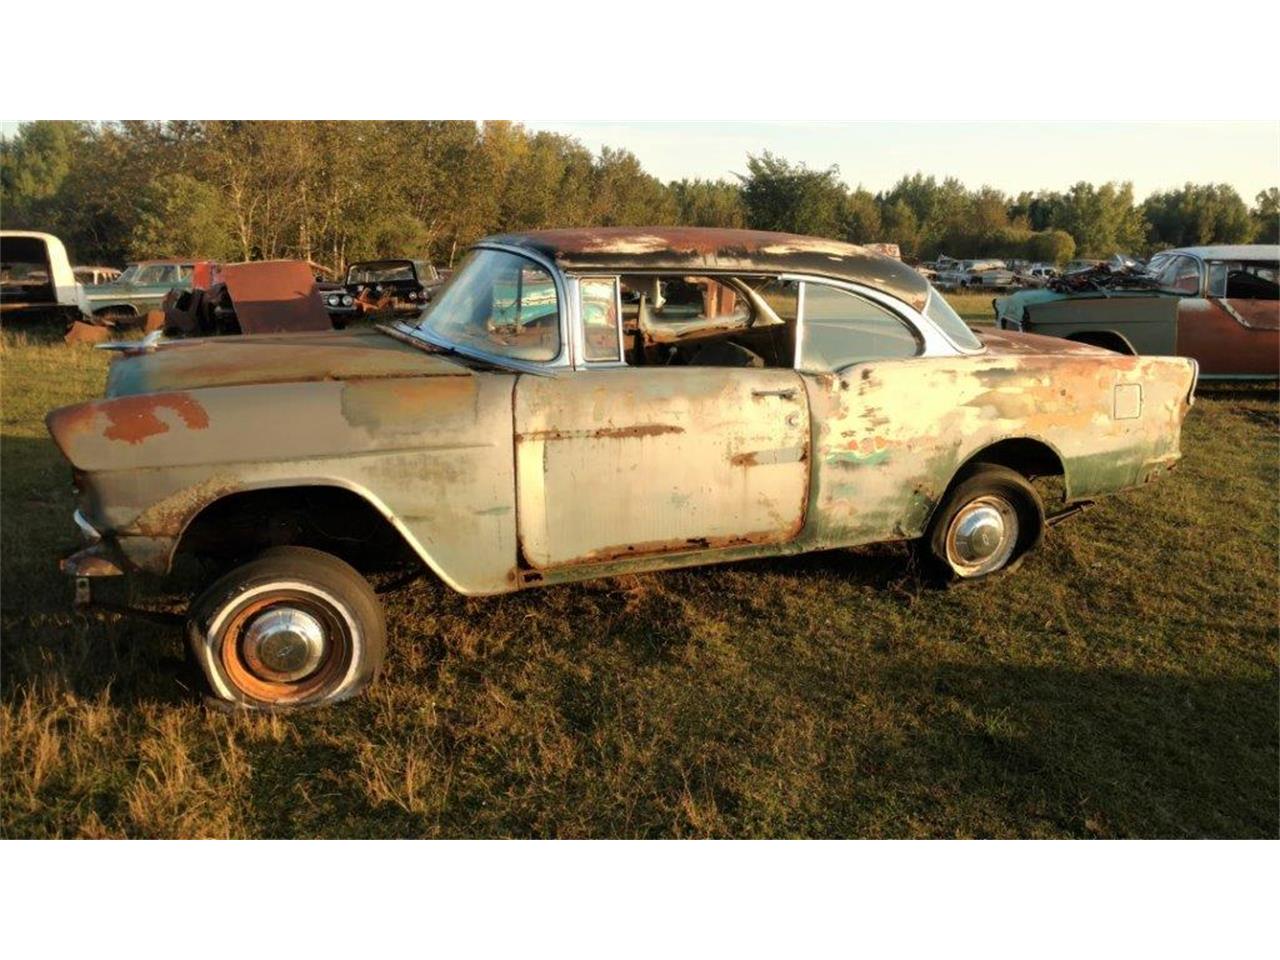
{"points": [[1009, 156]]}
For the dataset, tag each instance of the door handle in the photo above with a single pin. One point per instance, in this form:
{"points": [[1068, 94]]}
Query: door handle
{"points": [[788, 393]]}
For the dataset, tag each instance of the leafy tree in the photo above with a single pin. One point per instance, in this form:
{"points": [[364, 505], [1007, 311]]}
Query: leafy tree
{"points": [[792, 198], [1102, 220], [1050, 246], [899, 225], [1266, 216], [627, 196], [862, 220], [708, 203], [182, 216], [1198, 214], [338, 191]]}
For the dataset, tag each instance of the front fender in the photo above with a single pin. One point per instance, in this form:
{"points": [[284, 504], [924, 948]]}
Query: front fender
{"points": [[432, 454]]}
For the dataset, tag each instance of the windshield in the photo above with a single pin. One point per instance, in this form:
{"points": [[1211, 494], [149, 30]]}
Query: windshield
{"points": [[940, 312], [381, 272], [498, 303], [130, 272]]}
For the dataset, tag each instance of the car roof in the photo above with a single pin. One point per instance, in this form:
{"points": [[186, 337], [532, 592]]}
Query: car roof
{"points": [[1231, 251], [639, 249], [179, 261]]}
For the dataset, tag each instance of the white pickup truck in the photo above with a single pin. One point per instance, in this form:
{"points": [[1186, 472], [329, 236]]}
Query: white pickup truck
{"points": [[36, 279]]}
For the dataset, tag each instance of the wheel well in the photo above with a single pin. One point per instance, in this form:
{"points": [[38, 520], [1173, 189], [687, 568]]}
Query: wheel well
{"points": [[1104, 339], [1031, 458], [117, 309], [332, 519]]}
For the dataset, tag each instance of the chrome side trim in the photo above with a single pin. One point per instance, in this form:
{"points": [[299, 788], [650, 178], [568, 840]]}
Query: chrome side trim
{"points": [[87, 530]]}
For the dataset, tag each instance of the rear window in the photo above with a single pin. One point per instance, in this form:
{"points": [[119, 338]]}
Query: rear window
{"points": [[841, 329], [957, 331]]}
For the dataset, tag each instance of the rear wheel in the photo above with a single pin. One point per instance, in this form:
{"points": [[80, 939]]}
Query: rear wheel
{"points": [[989, 521], [293, 627]]}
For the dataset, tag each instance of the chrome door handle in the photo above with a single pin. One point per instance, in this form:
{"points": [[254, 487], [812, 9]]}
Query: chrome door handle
{"points": [[788, 394]]}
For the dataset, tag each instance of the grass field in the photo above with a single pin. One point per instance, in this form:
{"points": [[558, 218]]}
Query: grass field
{"points": [[1122, 684], [974, 307]]}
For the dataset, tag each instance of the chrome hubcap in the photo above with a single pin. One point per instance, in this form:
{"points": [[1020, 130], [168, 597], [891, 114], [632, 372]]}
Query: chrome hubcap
{"points": [[284, 644], [982, 536]]}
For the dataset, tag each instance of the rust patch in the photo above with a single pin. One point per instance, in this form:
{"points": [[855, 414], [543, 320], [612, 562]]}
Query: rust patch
{"points": [[681, 545], [744, 459], [169, 517], [133, 419], [602, 433]]}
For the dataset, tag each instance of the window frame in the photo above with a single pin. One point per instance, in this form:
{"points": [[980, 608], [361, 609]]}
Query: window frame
{"points": [[565, 306], [580, 324], [1176, 266], [935, 343], [803, 331]]}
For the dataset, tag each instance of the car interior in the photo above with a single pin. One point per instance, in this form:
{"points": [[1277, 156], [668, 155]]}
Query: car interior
{"points": [[704, 321]]}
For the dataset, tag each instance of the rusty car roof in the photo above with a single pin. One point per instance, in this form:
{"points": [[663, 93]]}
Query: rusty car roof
{"points": [[714, 248]]}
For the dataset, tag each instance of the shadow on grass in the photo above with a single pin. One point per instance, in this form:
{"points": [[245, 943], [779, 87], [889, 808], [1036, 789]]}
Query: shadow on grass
{"points": [[990, 751]]}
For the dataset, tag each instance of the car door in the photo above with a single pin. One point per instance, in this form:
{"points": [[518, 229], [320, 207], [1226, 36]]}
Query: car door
{"points": [[1231, 335], [635, 461]]}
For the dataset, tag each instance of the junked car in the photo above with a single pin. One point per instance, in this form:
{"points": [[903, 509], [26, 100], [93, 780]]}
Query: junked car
{"points": [[1218, 305], [392, 287], [140, 288], [585, 403]]}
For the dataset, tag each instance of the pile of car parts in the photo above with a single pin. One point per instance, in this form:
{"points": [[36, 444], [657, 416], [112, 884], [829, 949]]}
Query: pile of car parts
{"points": [[268, 296]]}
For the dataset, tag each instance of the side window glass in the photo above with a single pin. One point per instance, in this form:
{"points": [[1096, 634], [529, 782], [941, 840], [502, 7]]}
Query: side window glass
{"points": [[149, 275], [1217, 279], [185, 271], [1185, 276], [840, 328], [599, 296]]}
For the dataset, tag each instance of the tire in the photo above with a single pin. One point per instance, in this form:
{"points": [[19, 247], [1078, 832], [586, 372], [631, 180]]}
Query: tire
{"points": [[990, 519], [293, 627]]}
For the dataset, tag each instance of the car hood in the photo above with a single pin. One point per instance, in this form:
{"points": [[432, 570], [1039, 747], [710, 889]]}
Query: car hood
{"points": [[274, 358]]}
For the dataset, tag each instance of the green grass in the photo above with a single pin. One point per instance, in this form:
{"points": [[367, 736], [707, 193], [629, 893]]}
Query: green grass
{"points": [[974, 307], [1122, 683]]}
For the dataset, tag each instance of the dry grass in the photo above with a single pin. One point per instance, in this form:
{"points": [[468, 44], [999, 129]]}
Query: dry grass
{"points": [[1123, 683]]}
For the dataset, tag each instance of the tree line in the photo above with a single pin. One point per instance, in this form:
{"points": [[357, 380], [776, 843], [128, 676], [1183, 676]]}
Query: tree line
{"points": [[334, 192]]}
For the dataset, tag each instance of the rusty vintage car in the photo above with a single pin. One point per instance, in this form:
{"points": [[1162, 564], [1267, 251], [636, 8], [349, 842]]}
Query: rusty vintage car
{"points": [[1218, 305], [392, 288], [585, 403]]}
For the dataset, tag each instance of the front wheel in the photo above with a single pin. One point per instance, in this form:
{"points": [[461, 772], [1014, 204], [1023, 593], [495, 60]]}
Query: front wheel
{"points": [[293, 627], [988, 522]]}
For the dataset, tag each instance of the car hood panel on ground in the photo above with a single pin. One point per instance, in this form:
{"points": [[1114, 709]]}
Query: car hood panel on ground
{"points": [[275, 358]]}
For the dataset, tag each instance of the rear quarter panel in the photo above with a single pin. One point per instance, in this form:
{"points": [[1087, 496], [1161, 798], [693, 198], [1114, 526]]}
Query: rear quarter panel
{"points": [[1244, 345], [889, 437], [1148, 324]]}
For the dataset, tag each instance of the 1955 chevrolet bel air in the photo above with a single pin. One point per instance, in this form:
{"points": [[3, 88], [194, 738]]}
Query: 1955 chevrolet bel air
{"points": [[584, 403]]}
